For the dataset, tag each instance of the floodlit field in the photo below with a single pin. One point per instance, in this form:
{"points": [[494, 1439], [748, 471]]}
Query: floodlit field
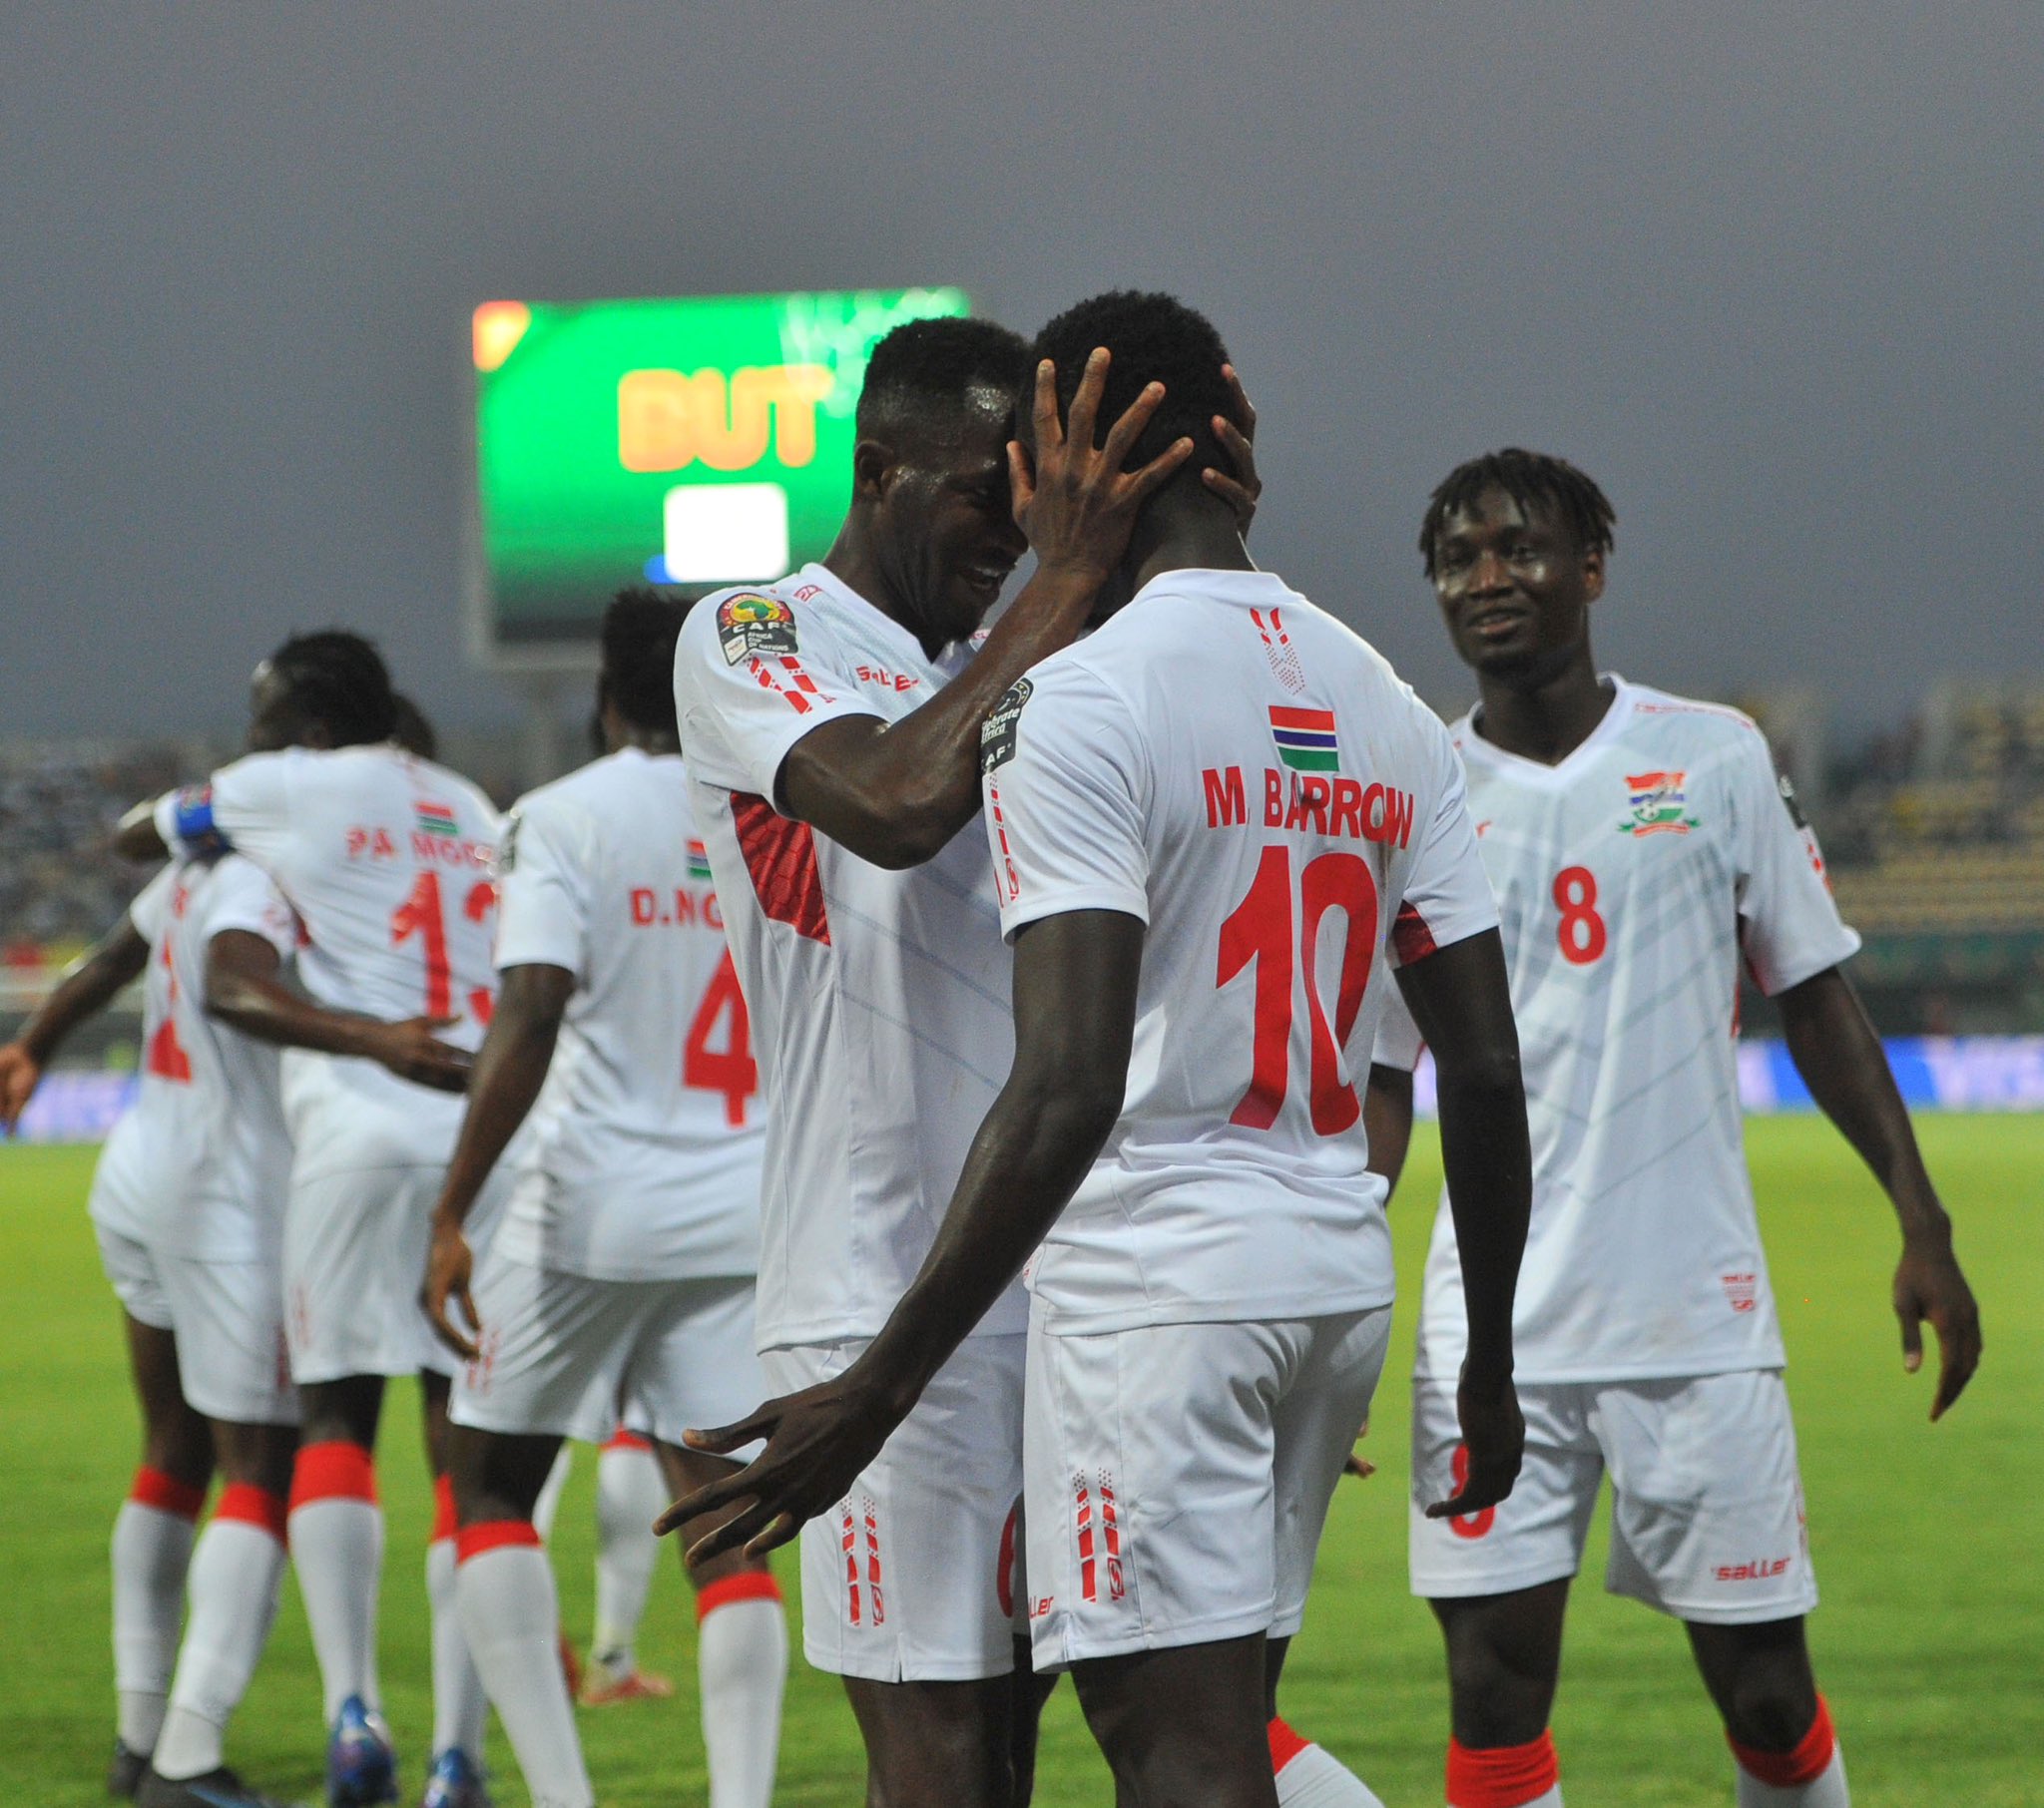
{"points": [[1931, 1642]]}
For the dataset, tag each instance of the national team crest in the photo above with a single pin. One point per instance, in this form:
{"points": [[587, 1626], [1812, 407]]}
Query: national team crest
{"points": [[1660, 805], [752, 622]]}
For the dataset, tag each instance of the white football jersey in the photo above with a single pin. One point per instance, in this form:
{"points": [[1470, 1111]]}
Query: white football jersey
{"points": [[385, 859], [1631, 880], [880, 1000], [208, 1093], [1235, 768], [644, 1164], [123, 1198]]}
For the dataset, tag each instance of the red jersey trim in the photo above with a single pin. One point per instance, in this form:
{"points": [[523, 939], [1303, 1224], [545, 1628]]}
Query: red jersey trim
{"points": [[1412, 936], [780, 855]]}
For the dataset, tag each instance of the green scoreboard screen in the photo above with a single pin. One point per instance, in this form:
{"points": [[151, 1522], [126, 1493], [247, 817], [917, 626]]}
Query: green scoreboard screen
{"points": [[693, 443]]}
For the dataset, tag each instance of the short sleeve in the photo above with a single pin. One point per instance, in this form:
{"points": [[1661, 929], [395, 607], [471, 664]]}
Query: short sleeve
{"points": [[1398, 1042], [244, 807], [1789, 925], [1065, 784], [543, 898], [1447, 895], [755, 673], [241, 895], [150, 912]]}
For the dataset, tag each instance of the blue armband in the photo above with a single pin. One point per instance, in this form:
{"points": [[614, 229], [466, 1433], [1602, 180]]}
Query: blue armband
{"points": [[192, 821]]}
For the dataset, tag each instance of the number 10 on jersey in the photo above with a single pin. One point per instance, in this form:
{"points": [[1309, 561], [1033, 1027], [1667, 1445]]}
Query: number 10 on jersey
{"points": [[1277, 928]]}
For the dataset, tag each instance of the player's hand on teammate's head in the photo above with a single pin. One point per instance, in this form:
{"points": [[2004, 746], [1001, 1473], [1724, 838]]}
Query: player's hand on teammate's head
{"points": [[1072, 497], [451, 1267], [412, 1049], [1930, 1285], [20, 1075], [1241, 488], [1494, 1433], [818, 1442]]}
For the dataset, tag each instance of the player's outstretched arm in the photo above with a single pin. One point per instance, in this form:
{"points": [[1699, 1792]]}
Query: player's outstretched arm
{"points": [[896, 794], [1462, 1001], [1075, 1017], [1388, 1122], [86, 988], [510, 1068], [136, 837], [244, 988], [1839, 1056]]}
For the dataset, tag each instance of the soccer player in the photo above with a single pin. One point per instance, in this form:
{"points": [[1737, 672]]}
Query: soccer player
{"points": [[1210, 821], [1641, 848], [621, 1280], [385, 858], [830, 723]]}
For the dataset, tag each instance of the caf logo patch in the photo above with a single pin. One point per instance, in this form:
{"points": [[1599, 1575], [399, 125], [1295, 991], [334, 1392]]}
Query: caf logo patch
{"points": [[997, 732], [751, 623]]}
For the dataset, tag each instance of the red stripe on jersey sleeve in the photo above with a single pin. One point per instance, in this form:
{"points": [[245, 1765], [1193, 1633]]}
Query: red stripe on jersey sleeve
{"points": [[1412, 936], [780, 855]]}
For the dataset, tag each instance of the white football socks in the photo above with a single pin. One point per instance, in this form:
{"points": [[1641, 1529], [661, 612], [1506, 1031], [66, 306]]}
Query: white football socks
{"points": [[461, 1710], [505, 1588], [742, 1669], [1811, 1776], [1310, 1776], [630, 1495], [1824, 1790], [236, 1574], [336, 1540], [150, 1553]]}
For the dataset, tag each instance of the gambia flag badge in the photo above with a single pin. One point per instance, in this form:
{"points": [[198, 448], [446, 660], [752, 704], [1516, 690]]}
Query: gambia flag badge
{"points": [[699, 863], [436, 820], [1305, 739]]}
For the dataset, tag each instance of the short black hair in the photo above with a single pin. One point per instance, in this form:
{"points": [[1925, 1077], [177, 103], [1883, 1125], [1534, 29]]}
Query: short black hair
{"points": [[638, 676], [1157, 338], [925, 367], [413, 733], [1531, 479], [339, 679]]}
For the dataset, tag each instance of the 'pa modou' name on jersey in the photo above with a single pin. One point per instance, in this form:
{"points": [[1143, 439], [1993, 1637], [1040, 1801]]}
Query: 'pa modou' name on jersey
{"points": [[423, 847], [1328, 805]]}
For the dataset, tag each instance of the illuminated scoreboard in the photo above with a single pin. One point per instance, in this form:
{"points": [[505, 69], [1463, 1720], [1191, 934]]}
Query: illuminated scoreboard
{"points": [[693, 443]]}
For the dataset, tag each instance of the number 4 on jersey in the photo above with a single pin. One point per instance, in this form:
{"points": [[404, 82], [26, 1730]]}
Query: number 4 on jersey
{"points": [[730, 1069]]}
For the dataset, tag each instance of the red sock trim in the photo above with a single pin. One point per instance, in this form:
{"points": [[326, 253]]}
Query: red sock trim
{"points": [[335, 1471], [1285, 1745], [1501, 1776], [627, 1440], [752, 1584], [254, 1505], [1793, 1769], [443, 1509], [494, 1535], [165, 1494]]}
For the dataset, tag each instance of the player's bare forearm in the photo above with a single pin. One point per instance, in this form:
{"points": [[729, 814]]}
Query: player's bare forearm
{"points": [[510, 1068], [86, 988], [136, 837], [1388, 1122], [1839, 1056], [1461, 997], [896, 794], [1840, 1059]]}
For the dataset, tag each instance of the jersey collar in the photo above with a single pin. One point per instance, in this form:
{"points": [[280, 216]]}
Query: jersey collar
{"points": [[850, 600], [1479, 751], [1250, 589]]}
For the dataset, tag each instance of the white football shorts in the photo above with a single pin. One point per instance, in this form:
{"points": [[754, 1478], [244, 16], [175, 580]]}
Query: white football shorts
{"points": [[1707, 1502], [232, 1355], [131, 1271], [911, 1578], [354, 1259], [1179, 1477], [575, 1357]]}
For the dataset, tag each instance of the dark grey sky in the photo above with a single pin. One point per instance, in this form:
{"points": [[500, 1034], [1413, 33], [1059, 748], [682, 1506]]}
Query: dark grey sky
{"points": [[1773, 273]]}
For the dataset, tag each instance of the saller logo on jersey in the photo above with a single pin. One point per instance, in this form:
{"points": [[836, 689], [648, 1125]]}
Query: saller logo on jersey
{"points": [[1660, 806], [997, 732], [751, 622]]}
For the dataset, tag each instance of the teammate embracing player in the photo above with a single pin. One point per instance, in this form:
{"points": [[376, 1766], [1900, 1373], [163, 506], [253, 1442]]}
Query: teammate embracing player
{"points": [[620, 1284], [1641, 846], [385, 857], [1208, 821]]}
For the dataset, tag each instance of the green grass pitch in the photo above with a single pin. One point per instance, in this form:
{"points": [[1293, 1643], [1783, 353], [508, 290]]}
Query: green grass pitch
{"points": [[1930, 1641]]}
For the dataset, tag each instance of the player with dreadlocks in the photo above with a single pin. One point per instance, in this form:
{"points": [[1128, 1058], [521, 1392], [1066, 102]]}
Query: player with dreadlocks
{"points": [[385, 859], [1641, 848]]}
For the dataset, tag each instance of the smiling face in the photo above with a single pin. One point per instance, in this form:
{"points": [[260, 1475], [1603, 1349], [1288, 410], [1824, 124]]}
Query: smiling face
{"points": [[942, 521], [1514, 588]]}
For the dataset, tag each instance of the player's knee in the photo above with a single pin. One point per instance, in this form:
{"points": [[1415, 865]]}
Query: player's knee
{"points": [[180, 1445], [1494, 1703], [1770, 1709]]}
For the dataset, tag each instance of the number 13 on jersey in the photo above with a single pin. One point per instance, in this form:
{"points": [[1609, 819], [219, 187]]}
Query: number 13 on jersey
{"points": [[1269, 929]]}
